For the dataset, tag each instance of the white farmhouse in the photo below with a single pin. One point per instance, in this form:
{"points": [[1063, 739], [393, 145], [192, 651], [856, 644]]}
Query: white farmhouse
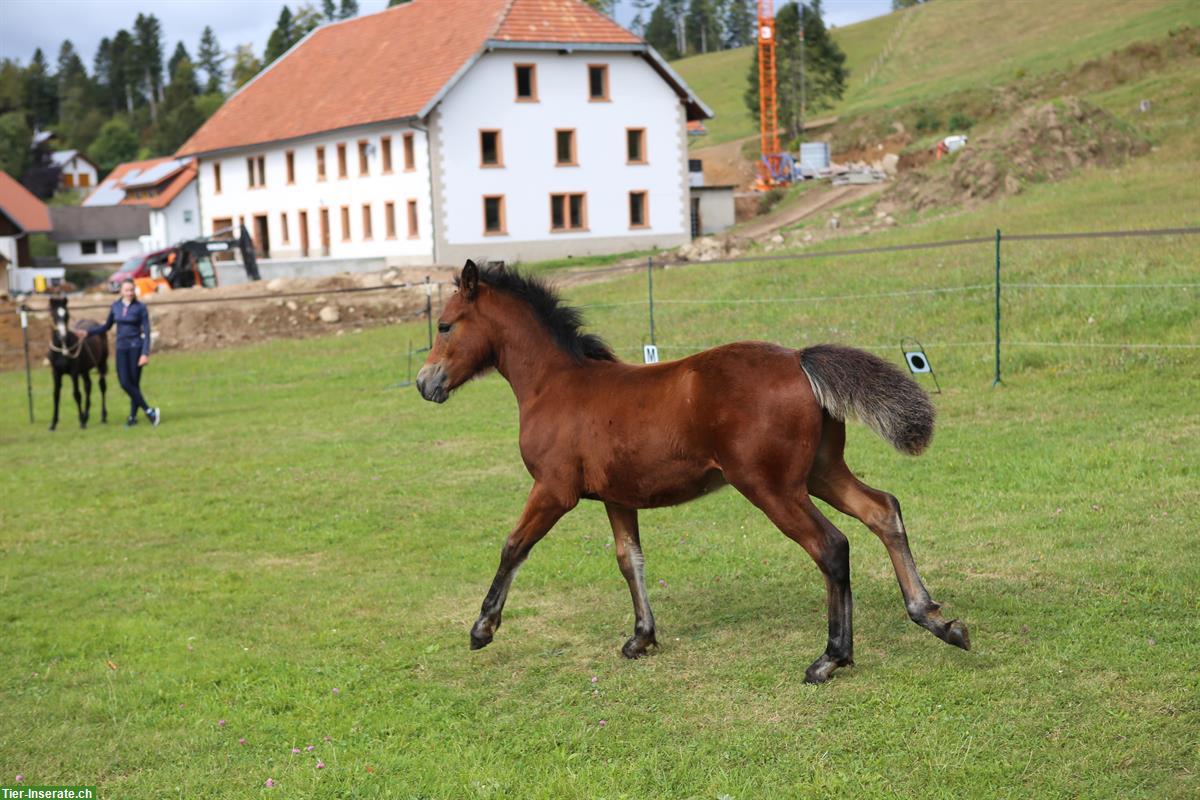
{"points": [[442, 129], [164, 186], [78, 171]]}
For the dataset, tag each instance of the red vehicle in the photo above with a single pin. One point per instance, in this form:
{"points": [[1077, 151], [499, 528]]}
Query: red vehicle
{"points": [[137, 267]]}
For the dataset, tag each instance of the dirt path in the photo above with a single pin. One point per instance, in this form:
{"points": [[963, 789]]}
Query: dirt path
{"points": [[808, 205]]}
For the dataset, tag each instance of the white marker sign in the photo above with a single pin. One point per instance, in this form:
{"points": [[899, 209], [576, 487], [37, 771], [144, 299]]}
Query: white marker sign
{"points": [[651, 354], [918, 362]]}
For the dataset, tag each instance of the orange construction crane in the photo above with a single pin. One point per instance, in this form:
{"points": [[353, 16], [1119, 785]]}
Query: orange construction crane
{"points": [[769, 168]]}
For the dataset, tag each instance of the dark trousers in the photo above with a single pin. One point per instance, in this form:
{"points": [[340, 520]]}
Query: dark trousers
{"points": [[130, 375]]}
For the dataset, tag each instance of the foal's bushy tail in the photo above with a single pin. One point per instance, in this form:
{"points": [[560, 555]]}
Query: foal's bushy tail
{"points": [[850, 382]]}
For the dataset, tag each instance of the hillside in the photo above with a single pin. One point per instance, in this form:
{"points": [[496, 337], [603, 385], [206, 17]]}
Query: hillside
{"points": [[918, 55]]}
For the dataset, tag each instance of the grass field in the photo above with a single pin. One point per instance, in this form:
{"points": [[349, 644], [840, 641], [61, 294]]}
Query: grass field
{"points": [[300, 548]]}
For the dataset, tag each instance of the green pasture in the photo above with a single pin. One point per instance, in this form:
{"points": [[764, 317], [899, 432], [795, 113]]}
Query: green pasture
{"points": [[300, 549]]}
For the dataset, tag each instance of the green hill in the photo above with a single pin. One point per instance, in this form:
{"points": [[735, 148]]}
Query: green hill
{"points": [[919, 55]]}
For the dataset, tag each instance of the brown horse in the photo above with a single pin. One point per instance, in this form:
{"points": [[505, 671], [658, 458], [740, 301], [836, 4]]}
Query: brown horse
{"points": [[765, 419]]}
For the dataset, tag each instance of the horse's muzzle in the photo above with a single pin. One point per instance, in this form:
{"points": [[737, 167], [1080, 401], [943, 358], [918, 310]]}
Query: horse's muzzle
{"points": [[431, 383]]}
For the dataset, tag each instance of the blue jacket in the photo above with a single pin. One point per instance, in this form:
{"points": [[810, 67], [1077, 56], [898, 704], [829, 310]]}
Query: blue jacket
{"points": [[133, 326]]}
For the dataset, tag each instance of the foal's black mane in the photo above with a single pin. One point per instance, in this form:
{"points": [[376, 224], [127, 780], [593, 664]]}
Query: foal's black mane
{"points": [[563, 321]]}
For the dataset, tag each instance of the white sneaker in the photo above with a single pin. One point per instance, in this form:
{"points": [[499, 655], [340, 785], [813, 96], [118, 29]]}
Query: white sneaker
{"points": [[155, 415]]}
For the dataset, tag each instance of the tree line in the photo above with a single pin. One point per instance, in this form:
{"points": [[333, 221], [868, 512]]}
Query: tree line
{"points": [[135, 102]]}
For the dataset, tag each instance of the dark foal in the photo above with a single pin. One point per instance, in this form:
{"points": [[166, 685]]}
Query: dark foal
{"points": [[765, 419], [71, 353]]}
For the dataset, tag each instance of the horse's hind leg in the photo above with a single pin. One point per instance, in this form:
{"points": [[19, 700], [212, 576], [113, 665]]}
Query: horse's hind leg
{"points": [[629, 559], [804, 524], [832, 481]]}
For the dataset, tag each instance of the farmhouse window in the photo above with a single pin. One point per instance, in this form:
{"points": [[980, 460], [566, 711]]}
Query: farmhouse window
{"points": [[256, 171], [635, 145], [413, 233], [385, 152], [88, 248], [341, 151], [283, 228], [362, 157], [290, 157], [216, 178], [109, 245], [637, 210], [410, 157], [598, 82], [564, 148], [320, 163], [367, 231], [526, 76], [389, 219], [345, 223], [490, 152], [493, 215], [568, 212]]}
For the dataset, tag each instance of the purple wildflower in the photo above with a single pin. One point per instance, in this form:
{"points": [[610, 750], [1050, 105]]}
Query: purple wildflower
{"points": [[220, 723], [270, 784], [595, 679], [602, 723], [295, 750], [320, 764], [336, 691], [241, 741], [20, 778], [311, 747]]}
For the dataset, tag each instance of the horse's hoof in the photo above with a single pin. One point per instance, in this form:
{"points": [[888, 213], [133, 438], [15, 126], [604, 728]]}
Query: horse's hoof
{"points": [[480, 642], [637, 647], [822, 669], [956, 634], [53, 428]]}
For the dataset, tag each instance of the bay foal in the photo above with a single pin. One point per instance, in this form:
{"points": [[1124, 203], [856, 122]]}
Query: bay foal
{"points": [[765, 419]]}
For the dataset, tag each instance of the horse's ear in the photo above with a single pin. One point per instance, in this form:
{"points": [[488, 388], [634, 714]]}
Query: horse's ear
{"points": [[469, 281]]}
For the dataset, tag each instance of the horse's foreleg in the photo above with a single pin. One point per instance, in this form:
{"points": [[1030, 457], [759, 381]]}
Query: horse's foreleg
{"points": [[629, 557], [57, 394], [87, 393], [542, 510], [880, 511], [78, 398], [102, 368]]}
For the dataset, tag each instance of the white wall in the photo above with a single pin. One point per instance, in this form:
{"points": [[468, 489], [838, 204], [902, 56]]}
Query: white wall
{"points": [[77, 167], [238, 200], [180, 220], [70, 253], [485, 98]]}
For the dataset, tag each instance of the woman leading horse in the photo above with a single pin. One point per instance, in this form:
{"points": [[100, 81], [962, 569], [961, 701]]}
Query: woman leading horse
{"points": [[765, 419]]}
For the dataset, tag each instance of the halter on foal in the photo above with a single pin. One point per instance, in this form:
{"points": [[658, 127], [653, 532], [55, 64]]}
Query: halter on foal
{"points": [[76, 355], [765, 419]]}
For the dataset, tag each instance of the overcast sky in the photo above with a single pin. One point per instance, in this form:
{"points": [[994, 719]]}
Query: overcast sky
{"points": [[29, 24]]}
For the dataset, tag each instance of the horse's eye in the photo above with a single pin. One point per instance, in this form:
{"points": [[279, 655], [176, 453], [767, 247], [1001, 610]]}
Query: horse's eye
{"points": [[443, 327]]}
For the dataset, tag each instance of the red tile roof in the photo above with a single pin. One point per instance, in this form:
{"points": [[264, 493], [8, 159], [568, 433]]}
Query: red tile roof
{"points": [[22, 207], [560, 21], [387, 66], [168, 186]]}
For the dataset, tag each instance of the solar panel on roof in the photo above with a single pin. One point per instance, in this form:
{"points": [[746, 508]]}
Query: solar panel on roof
{"points": [[153, 175]]}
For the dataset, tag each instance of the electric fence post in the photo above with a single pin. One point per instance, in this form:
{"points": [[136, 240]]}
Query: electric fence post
{"points": [[650, 291], [28, 375], [996, 382]]}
